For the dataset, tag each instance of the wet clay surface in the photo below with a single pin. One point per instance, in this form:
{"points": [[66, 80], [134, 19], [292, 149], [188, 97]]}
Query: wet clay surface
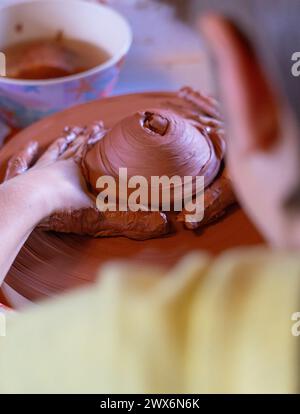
{"points": [[51, 263]]}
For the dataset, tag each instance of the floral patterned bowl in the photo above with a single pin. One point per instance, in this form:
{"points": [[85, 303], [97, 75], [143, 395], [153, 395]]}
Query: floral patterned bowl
{"points": [[23, 102]]}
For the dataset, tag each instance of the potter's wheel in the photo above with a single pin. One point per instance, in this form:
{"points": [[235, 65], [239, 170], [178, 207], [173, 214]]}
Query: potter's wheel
{"points": [[51, 263]]}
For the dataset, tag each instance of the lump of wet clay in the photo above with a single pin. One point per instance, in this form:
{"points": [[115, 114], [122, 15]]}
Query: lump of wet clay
{"points": [[184, 140], [153, 142], [160, 142]]}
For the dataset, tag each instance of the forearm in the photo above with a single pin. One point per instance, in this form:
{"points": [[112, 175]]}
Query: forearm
{"points": [[23, 204]]}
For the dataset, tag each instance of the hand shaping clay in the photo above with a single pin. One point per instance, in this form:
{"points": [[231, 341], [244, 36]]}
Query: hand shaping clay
{"points": [[51, 263], [183, 140]]}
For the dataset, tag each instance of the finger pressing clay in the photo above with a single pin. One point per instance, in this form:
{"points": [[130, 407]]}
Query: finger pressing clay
{"points": [[186, 139], [20, 162], [217, 198]]}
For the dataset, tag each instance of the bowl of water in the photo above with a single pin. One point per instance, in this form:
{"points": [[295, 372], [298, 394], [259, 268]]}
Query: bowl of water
{"points": [[57, 53]]}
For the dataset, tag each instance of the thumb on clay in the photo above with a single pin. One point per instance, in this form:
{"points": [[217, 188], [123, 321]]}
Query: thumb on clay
{"points": [[20, 162]]}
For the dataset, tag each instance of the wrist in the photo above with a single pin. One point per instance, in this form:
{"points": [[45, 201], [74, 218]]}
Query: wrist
{"points": [[29, 196]]}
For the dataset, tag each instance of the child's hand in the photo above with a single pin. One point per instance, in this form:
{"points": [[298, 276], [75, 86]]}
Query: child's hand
{"points": [[58, 170]]}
